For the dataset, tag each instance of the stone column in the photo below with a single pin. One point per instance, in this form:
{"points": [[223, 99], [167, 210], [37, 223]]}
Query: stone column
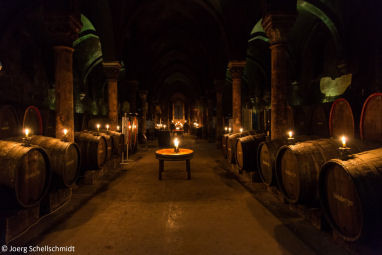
{"points": [[236, 68], [111, 70], [63, 30], [132, 86], [143, 96], [210, 107], [276, 27], [204, 117], [219, 84]]}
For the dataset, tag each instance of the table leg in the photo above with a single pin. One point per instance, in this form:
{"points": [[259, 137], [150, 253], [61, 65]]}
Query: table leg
{"points": [[161, 166], [188, 169]]}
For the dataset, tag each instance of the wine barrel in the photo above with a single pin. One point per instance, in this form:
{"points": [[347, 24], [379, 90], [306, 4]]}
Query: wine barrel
{"points": [[298, 166], [266, 154], [93, 150], [134, 134], [232, 142], [9, 122], [224, 144], [341, 119], [371, 119], [109, 142], [320, 118], [246, 152], [24, 175], [266, 157], [118, 142], [351, 194], [32, 119], [64, 158]]}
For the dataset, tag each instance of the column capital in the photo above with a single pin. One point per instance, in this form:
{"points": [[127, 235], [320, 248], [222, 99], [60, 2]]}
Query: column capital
{"points": [[62, 29], [277, 25], [111, 69], [236, 68]]}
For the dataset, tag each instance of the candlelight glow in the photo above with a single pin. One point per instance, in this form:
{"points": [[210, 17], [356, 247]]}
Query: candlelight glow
{"points": [[343, 140], [118, 127], [290, 133], [164, 126], [129, 126], [226, 129], [26, 131], [229, 130], [176, 143], [107, 127], [241, 130], [65, 131], [98, 126], [177, 128]]}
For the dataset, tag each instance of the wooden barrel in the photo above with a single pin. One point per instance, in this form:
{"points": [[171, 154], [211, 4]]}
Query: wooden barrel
{"points": [[232, 142], [224, 144], [9, 122], [246, 152], [93, 150], [371, 119], [118, 142], [134, 134], [32, 119], [298, 166], [320, 118], [64, 158], [108, 139], [24, 174], [266, 157], [351, 194], [341, 119], [266, 154]]}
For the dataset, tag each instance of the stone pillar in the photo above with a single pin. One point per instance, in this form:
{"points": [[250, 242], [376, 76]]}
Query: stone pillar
{"points": [[276, 27], [236, 68], [63, 29], [219, 84], [210, 107], [132, 89], [145, 106], [111, 70], [204, 118]]}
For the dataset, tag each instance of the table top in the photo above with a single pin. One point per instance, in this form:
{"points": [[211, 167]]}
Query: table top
{"points": [[169, 153]]}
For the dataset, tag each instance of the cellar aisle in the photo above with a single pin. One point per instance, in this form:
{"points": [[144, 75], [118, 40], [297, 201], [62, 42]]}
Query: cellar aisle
{"points": [[210, 214]]}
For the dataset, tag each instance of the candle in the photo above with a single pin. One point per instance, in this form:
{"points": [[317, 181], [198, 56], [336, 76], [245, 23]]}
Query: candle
{"points": [[129, 126], [65, 132], [98, 126], [241, 130], [107, 127], [26, 131], [176, 143], [164, 126], [118, 127], [226, 129], [290, 133], [229, 130], [343, 140]]}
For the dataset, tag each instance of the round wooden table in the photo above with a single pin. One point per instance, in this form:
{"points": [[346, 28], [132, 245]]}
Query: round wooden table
{"points": [[170, 155]]}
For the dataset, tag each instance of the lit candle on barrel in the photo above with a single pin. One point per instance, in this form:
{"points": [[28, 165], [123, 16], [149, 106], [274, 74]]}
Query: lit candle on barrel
{"points": [[107, 127], [98, 126], [65, 132], [241, 130], [343, 140], [226, 129], [290, 134], [176, 144], [229, 130], [118, 127], [26, 131]]}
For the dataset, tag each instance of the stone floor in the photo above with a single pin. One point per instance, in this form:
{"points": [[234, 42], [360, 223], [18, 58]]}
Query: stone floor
{"points": [[210, 214]]}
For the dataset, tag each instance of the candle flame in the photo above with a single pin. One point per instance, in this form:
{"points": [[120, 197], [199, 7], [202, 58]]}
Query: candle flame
{"points": [[290, 133], [176, 142], [65, 131], [98, 125], [225, 128], [343, 140], [26, 131], [118, 128], [241, 130], [107, 127], [229, 129]]}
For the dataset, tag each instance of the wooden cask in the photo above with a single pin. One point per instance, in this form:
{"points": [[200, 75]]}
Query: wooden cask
{"points": [[232, 142], [24, 174], [266, 157], [351, 195], [64, 158], [108, 139], [118, 142], [93, 150], [224, 144], [371, 119], [341, 119], [246, 152], [9, 122], [298, 166]]}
